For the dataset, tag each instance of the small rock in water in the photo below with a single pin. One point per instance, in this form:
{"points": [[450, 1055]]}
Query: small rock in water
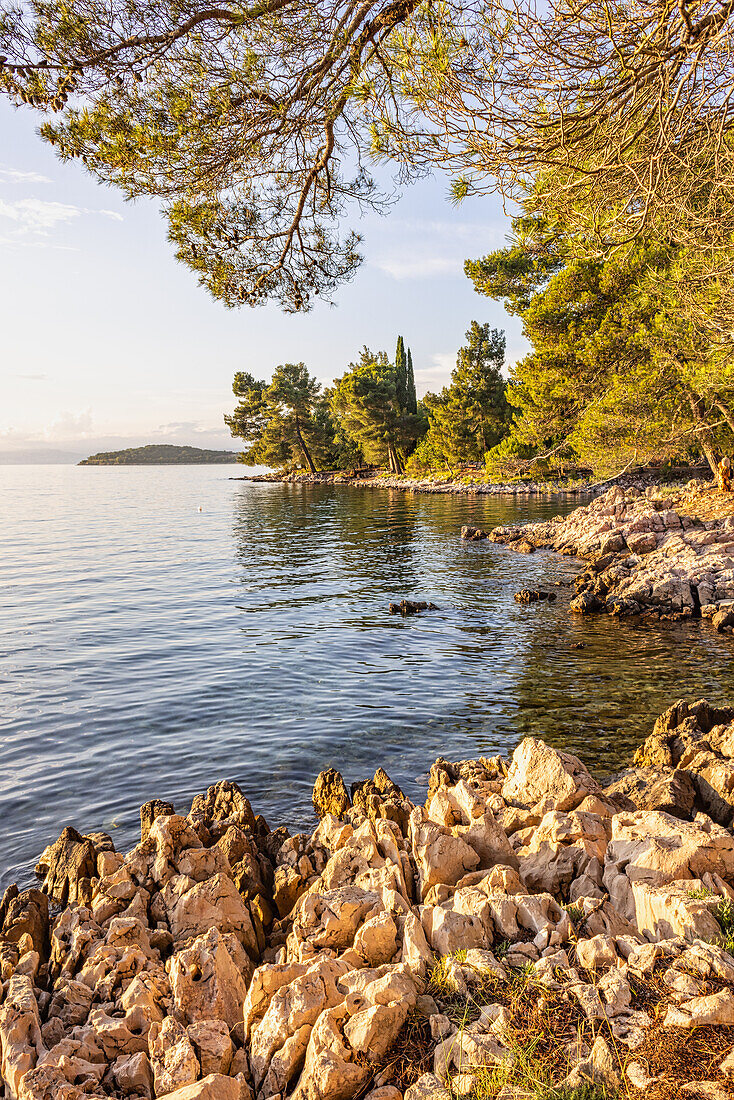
{"points": [[473, 534], [533, 595], [411, 607]]}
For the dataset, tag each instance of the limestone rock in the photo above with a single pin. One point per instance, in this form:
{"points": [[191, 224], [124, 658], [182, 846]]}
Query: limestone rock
{"points": [[329, 1070], [21, 1043], [715, 1010], [209, 978], [25, 913], [172, 1057], [439, 856], [149, 811], [330, 794], [655, 848], [193, 908], [212, 1045], [133, 1075], [224, 801], [67, 867], [662, 912], [670, 790], [214, 1086], [541, 779]]}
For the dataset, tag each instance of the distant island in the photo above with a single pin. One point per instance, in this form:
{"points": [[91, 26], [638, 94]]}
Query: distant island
{"points": [[159, 454]]}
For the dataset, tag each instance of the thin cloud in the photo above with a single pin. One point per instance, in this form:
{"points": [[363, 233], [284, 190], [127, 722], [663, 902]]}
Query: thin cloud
{"points": [[429, 267], [32, 222], [30, 377], [13, 175]]}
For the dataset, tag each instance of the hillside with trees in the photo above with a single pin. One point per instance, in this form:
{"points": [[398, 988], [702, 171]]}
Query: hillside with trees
{"points": [[159, 454]]}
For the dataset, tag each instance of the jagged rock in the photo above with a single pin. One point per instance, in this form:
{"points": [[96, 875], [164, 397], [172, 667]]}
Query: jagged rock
{"points": [[373, 1030], [670, 790], [473, 534], [172, 1057], [193, 909], [662, 912], [465, 812], [329, 1070], [411, 607], [596, 953], [440, 857], [377, 939], [379, 798], [212, 1045], [330, 794], [21, 1043], [655, 848], [716, 1010], [209, 978], [214, 1086], [565, 856], [68, 866], [533, 595], [149, 811], [48, 1082], [224, 801], [133, 1075], [25, 913], [300, 1001], [428, 1087], [542, 779]]}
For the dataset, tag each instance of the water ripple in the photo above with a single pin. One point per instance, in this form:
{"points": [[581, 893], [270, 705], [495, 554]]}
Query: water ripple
{"points": [[148, 649]]}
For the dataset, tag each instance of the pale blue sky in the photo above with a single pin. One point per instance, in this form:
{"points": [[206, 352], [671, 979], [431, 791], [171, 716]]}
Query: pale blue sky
{"points": [[107, 341]]}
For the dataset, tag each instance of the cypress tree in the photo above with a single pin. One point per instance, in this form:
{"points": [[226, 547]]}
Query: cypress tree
{"points": [[401, 375], [412, 404]]}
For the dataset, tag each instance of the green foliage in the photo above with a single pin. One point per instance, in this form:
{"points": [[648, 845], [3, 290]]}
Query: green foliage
{"points": [[159, 454], [285, 422], [471, 415], [619, 374], [369, 404]]}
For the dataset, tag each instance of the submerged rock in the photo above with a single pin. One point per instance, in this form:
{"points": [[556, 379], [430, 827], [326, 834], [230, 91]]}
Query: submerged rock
{"points": [[411, 607]]}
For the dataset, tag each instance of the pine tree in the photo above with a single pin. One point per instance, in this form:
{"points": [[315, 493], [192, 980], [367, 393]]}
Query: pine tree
{"points": [[366, 407], [285, 421], [471, 415]]}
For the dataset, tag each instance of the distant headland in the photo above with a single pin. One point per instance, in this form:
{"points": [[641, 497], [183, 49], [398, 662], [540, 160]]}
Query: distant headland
{"points": [[159, 454]]}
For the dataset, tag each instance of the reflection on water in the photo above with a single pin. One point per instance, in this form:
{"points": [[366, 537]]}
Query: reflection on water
{"points": [[148, 649]]}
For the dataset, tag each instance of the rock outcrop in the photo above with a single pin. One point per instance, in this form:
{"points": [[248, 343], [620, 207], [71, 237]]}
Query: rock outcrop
{"points": [[218, 960], [646, 555]]}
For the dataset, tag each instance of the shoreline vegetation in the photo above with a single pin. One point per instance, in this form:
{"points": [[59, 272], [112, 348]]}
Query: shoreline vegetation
{"points": [[529, 931], [468, 482]]}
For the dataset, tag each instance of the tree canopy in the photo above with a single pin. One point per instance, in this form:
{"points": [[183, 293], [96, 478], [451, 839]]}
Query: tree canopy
{"points": [[618, 374], [372, 402], [471, 414], [285, 421], [256, 125]]}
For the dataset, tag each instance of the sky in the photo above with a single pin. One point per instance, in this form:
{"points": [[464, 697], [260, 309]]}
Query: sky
{"points": [[108, 342]]}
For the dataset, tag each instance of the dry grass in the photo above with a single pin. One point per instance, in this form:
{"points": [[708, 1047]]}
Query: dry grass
{"points": [[412, 1054], [706, 504], [678, 1056]]}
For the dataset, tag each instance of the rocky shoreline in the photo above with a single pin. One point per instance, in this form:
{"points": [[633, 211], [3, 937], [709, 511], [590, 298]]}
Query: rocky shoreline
{"points": [[670, 556], [477, 487], [526, 932]]}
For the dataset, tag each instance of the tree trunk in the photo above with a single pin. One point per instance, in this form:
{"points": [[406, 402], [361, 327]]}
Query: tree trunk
{"points": [[304, 449], [393, 459], [725, 412], [705, 440]]}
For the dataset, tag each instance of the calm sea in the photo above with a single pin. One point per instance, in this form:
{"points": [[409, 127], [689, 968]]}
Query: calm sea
{"points": [[165, 627]]}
